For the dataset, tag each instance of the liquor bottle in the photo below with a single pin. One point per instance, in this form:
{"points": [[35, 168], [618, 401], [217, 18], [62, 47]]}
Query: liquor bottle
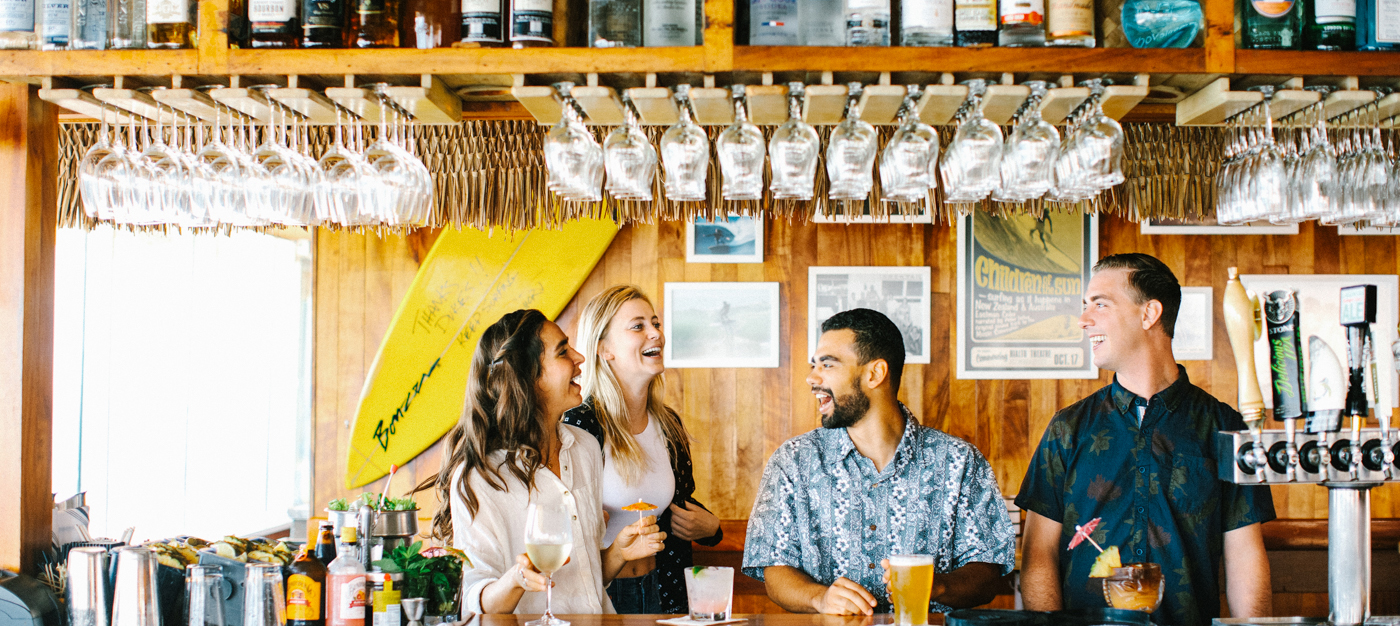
{"points": [[375, 24], [55, 24], [1022, 23], [170, 23], [345, 584], [323, 26], [325, 543], [1330, 25], [17, 25], [615, 23], [427, 24], [1378, 26], [1271, 24], [974, 23], [774, 23], [126, 24], [274, 23], [483, 24], [89, 25], [867, 22], [306, 590], [823, 22], [1070, 23], [926, 23], [531, 23], [1159, 23], [670, 23]]}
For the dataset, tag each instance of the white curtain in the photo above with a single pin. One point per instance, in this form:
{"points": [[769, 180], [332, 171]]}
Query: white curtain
{"points": [[182, 380]]}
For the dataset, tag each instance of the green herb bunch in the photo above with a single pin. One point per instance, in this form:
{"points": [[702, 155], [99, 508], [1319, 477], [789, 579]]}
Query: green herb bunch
{"points": [[437, 579]]}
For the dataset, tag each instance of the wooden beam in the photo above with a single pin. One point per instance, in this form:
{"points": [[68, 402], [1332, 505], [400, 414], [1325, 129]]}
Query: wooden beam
{"points": [[28, 228]]}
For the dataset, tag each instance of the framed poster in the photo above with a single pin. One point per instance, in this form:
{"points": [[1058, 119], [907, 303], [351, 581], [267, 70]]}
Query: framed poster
{"points": [[1322, 334], [1195, 325], [901, 293], [1021, 281], [721, 325], [733, 239], [1208, 226]]}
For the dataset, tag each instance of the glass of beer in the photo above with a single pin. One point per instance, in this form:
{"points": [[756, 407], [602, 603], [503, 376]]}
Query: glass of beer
{"points": [[911, 582], [1135, 586]]}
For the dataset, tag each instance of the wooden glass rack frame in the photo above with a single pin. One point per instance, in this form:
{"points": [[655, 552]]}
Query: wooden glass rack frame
{"points": [[718, 55]]}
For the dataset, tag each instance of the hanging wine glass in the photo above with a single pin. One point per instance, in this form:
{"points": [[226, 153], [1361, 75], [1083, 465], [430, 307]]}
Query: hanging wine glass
{"points": [[741, 153], [629, 158], [573, 158], [685, 154], [850, 152], [971, 167], [93, 188], [906, 164], [792, 153]]}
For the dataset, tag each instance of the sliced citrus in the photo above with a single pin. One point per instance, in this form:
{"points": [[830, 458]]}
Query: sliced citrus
{"points": [[640, 506]]}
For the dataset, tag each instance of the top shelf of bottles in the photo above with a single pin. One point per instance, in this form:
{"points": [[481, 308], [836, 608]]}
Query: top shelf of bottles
{"points": [[212, 56]]}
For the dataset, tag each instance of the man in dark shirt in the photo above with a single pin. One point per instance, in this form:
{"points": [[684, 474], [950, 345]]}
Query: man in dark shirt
{"points": [[1138, 454]]}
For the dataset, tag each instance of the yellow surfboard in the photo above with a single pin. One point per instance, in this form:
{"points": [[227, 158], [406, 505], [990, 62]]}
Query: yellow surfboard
{"points": [[416, 387]]}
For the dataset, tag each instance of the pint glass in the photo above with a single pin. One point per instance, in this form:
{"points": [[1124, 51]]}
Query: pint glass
{"points": [[911, 581]]}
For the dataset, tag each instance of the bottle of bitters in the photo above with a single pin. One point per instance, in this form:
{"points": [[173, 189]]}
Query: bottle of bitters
{"points": [[347, 596], [306, 590]]}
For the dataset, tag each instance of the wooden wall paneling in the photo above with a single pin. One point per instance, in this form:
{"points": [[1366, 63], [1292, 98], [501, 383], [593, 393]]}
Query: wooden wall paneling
{"points": [[28, 231], [326, 434], [738, 418]]}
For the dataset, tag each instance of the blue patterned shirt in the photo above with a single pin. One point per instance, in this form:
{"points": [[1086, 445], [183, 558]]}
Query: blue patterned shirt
{"points": [[1153, 484], [823, 508]]}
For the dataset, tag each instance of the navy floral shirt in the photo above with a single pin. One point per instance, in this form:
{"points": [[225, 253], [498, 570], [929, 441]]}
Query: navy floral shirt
{"points": [[824, 509], [1154, 485]]}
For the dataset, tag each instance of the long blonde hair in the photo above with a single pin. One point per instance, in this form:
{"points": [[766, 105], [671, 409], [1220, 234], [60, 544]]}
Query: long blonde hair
{"points": [[601, 385]]}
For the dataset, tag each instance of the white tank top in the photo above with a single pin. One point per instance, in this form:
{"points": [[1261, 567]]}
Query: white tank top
{"points": [[657, 484]]}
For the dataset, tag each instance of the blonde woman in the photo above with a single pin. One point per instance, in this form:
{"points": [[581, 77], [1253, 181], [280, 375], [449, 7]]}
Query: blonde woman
{"points": [[645, 447]]}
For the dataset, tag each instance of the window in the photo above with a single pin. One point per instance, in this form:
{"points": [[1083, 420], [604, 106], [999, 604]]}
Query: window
{"points": [[182, 380]]}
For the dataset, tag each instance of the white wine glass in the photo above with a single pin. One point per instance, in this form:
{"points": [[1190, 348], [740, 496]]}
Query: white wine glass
{"points": [[549, 537]]}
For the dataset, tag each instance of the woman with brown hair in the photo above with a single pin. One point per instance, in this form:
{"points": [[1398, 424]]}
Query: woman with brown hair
{"points": [[510, 450], [646, 448]]}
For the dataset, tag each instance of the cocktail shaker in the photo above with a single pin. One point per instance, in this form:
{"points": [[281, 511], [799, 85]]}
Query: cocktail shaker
{"points": [[135, 601], [89, 599]]}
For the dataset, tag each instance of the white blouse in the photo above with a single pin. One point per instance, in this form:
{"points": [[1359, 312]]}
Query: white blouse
{"points": [[494, 537]]}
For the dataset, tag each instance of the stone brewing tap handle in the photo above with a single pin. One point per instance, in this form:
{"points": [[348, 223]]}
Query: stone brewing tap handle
{"points": [[1242, 324]]}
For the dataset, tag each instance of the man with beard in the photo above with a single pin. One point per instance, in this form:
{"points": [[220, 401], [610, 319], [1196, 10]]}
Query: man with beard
{"points": [[837, 502], [1139, 454]]}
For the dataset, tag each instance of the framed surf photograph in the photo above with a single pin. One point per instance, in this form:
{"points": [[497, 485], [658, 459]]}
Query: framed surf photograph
{"points": [[722, 324], [1021, 282], [922, 216], [1208, 226], [733, 239], [901, 293]]}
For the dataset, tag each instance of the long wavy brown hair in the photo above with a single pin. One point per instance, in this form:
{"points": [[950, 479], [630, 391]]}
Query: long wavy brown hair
{"points": [[501, 413]]}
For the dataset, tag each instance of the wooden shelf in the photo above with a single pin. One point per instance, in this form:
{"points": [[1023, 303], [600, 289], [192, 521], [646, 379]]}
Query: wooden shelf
{"points": [[466, 61], [35, 63], [897, 59], [1314, 63]]}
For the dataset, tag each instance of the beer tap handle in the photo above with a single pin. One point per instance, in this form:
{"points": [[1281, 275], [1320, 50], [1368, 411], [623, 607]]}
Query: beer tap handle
{"points": [[1242, 324]]}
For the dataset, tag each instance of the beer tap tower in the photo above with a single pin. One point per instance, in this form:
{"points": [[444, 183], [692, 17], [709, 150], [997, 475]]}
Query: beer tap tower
{"points": [[1349, 464]]}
